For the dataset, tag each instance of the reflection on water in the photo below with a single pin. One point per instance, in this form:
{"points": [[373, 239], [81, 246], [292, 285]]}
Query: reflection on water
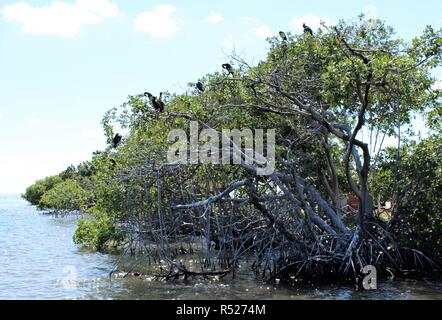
{"points": [[38, 260]]}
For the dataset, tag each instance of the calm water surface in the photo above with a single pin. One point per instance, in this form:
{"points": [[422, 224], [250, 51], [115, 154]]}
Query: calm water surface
{"points": [[38, 260]]}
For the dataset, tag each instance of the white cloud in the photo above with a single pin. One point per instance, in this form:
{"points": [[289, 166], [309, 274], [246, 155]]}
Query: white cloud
{"points": [[370, 11], [311, 20], [157, 23], [214, 18], [101, 7], [33, 120], [263, 31], [59, 18]]}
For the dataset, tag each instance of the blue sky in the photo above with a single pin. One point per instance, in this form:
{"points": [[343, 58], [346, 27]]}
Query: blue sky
{"points": [[64, 63]]}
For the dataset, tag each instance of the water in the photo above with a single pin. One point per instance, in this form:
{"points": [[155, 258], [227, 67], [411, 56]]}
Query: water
{"points": [[38, 260]]}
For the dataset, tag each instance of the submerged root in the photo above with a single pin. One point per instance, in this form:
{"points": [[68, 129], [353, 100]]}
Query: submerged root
{"points": [[280, 226], [273, 258]]}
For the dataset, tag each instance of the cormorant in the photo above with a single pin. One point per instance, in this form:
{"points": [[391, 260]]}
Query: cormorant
{"points": [[148, 95], [229, 68], [116, 140], [307, 29], [200, 86], [157, 103], [283, 35], [160, 103]]}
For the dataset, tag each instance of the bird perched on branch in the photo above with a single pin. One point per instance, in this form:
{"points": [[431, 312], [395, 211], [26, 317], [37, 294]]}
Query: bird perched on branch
{"points": [[283, 36], [116, 140], [307, 29], [200, 86], [157, 103], [229, 68]]}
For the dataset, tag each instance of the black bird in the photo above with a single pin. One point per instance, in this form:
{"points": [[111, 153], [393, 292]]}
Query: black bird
{"points": [[157, 103], [283, 35], [229, 68], [116, 140], [307, 29], [200, 86]]}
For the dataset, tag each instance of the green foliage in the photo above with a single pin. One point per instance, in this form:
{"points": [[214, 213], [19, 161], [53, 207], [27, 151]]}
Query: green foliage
{"points": [[417, 220], [98, 232], [72, 189], [419, 212], [67, 195], [35, 192]]}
